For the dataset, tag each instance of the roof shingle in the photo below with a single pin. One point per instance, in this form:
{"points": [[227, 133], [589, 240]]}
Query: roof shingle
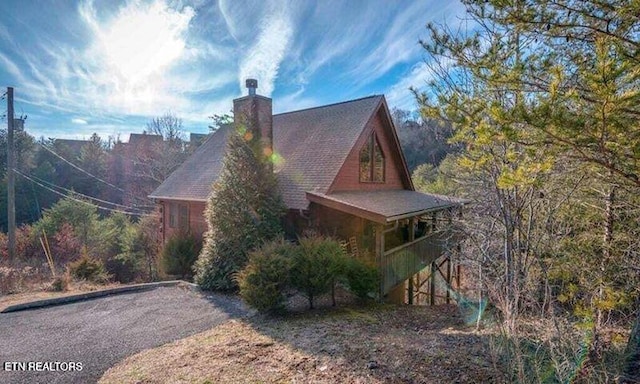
{"points": [[386, 205], [193, 179], [312, 143]]}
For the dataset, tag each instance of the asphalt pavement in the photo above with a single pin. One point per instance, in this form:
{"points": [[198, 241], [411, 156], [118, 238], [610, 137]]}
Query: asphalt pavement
{"points": [[100, 332]]}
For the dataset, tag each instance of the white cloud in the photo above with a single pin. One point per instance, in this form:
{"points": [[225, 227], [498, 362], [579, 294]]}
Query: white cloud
{"points": [[263, 58], [294, 101], [10, 66], [79, 121], [400, 96], [400, 42], [418, 77]]}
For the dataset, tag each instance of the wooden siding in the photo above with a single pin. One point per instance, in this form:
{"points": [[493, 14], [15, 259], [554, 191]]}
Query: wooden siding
{"points": [[197, 223], [348, 178]]}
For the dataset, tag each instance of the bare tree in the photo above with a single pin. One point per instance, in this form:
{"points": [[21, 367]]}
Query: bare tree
{"points": [[168, 126]]}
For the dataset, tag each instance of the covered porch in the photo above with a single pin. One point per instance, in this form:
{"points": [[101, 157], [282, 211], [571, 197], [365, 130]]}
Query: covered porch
{"points": [[406, 234]]}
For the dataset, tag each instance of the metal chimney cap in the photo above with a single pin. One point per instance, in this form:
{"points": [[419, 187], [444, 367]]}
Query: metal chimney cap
{"points": [[252, 84]]}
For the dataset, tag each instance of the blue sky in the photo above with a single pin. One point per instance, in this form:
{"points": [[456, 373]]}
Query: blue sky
{"points": [[109, 66]]}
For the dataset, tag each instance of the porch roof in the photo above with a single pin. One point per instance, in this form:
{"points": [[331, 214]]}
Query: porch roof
{"points": [[384, 206]]}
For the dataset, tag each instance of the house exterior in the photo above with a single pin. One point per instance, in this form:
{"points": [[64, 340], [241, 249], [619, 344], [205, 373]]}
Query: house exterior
{"points": [[340, 171]]}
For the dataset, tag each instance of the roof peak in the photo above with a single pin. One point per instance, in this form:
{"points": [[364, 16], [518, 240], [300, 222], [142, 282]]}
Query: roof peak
{"points": [[328, 105]]}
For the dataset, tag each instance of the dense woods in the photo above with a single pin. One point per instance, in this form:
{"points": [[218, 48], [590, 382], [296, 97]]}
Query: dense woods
{"points": [[108, 173], [86, 200], [543, 102]]}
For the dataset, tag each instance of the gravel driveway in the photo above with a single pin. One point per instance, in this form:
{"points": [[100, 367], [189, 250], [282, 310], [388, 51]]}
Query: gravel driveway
{"points": [[98, 333]]}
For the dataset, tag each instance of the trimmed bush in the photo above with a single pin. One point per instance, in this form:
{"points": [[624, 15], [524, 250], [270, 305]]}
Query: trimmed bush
{"points": [[179, 254], [316, 266], [362, 279], [88, 268], [265, 278]]}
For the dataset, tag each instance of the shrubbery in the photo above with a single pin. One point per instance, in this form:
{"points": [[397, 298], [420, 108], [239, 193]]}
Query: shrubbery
{"points": [[127, 250], [362, 279], [316, 266], [312, 268], [88, 268], [179, 254], [264, 280], [61, 283]]}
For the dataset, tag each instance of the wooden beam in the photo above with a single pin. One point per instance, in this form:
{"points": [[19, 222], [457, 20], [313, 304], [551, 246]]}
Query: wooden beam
{"points": [[412, 236], [432, 286], [448, 299], [379, 251]]}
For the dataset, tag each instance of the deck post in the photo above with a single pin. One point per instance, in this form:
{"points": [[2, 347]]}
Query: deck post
{"points": [[459, 249], [432, 284], [412, 237], [449, 287], [379, 249]]}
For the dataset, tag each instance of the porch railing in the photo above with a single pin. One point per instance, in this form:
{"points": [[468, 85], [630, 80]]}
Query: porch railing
{"points": [[404, 261]]}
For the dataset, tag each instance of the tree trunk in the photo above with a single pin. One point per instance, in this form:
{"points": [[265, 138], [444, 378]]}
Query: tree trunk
{"points": [[595, 352], [631, 369]]}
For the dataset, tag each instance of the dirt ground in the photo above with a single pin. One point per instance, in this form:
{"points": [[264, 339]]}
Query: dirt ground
{"points": [[356, 344]]}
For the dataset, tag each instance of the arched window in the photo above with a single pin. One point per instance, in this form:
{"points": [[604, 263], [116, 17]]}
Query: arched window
{"points": [[372, 161]]}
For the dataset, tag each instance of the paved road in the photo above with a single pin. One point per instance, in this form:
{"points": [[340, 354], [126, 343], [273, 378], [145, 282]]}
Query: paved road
{"points": [[101, 332]]}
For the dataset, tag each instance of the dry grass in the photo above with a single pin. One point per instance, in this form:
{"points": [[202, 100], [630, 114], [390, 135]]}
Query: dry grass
{"points": [[377, 344], [41, 291]]}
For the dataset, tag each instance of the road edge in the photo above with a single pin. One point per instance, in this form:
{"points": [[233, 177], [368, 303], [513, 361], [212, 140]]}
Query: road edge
{"points": [[95, 294]]}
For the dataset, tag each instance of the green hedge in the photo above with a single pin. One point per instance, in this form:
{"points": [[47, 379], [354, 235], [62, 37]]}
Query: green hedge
{"points": [[312, 268]]}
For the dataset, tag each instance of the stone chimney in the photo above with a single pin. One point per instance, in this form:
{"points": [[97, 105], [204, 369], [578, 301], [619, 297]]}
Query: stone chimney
{"points": [[254, 113]]}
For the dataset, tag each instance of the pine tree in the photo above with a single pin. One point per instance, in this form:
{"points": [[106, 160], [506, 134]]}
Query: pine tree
{"points": [[558, 78], [243, 211]]}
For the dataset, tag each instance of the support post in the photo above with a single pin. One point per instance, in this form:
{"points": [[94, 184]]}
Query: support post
{"points": [[432, 284], [459, 249], [379, 249], [11, 192], [412, 237], [449, 286]]}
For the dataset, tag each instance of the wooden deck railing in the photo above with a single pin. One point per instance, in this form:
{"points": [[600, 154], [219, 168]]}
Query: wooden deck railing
{"points": [[404, 261]]}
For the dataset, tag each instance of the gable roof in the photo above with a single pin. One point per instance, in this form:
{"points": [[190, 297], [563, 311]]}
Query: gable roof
{"points": [[138, 139], [193, 179], [312, 143]]}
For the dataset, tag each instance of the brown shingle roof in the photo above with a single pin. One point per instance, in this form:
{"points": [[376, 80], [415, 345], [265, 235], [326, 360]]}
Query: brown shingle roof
{"points": [[193, 179], [313, 144], [141, 139], [385, 205]]}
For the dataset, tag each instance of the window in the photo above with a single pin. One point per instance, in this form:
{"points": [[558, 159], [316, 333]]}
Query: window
{"points": [[178, 216], [372, 161], [173, 215]]}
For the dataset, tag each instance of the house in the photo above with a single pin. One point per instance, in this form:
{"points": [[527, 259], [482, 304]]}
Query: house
{"points": [[341, 172]]}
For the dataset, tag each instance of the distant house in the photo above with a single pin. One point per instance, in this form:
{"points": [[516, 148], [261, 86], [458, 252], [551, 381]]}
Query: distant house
{"points": [[342, 173]]}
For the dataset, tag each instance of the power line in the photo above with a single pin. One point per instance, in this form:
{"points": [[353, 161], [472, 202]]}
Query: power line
{"points": [[80, 169], [83, 195], [78, 200], [87, 173]]}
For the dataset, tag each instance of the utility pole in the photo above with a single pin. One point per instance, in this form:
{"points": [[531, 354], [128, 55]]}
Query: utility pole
{"points": [[11, 192]]}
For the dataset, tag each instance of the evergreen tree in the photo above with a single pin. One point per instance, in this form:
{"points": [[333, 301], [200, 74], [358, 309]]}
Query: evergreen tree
{"points": [[93, 159], [244, 210], [542, 82]]}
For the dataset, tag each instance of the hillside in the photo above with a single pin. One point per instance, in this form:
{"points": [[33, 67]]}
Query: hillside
{"points": [[347, 345]]}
